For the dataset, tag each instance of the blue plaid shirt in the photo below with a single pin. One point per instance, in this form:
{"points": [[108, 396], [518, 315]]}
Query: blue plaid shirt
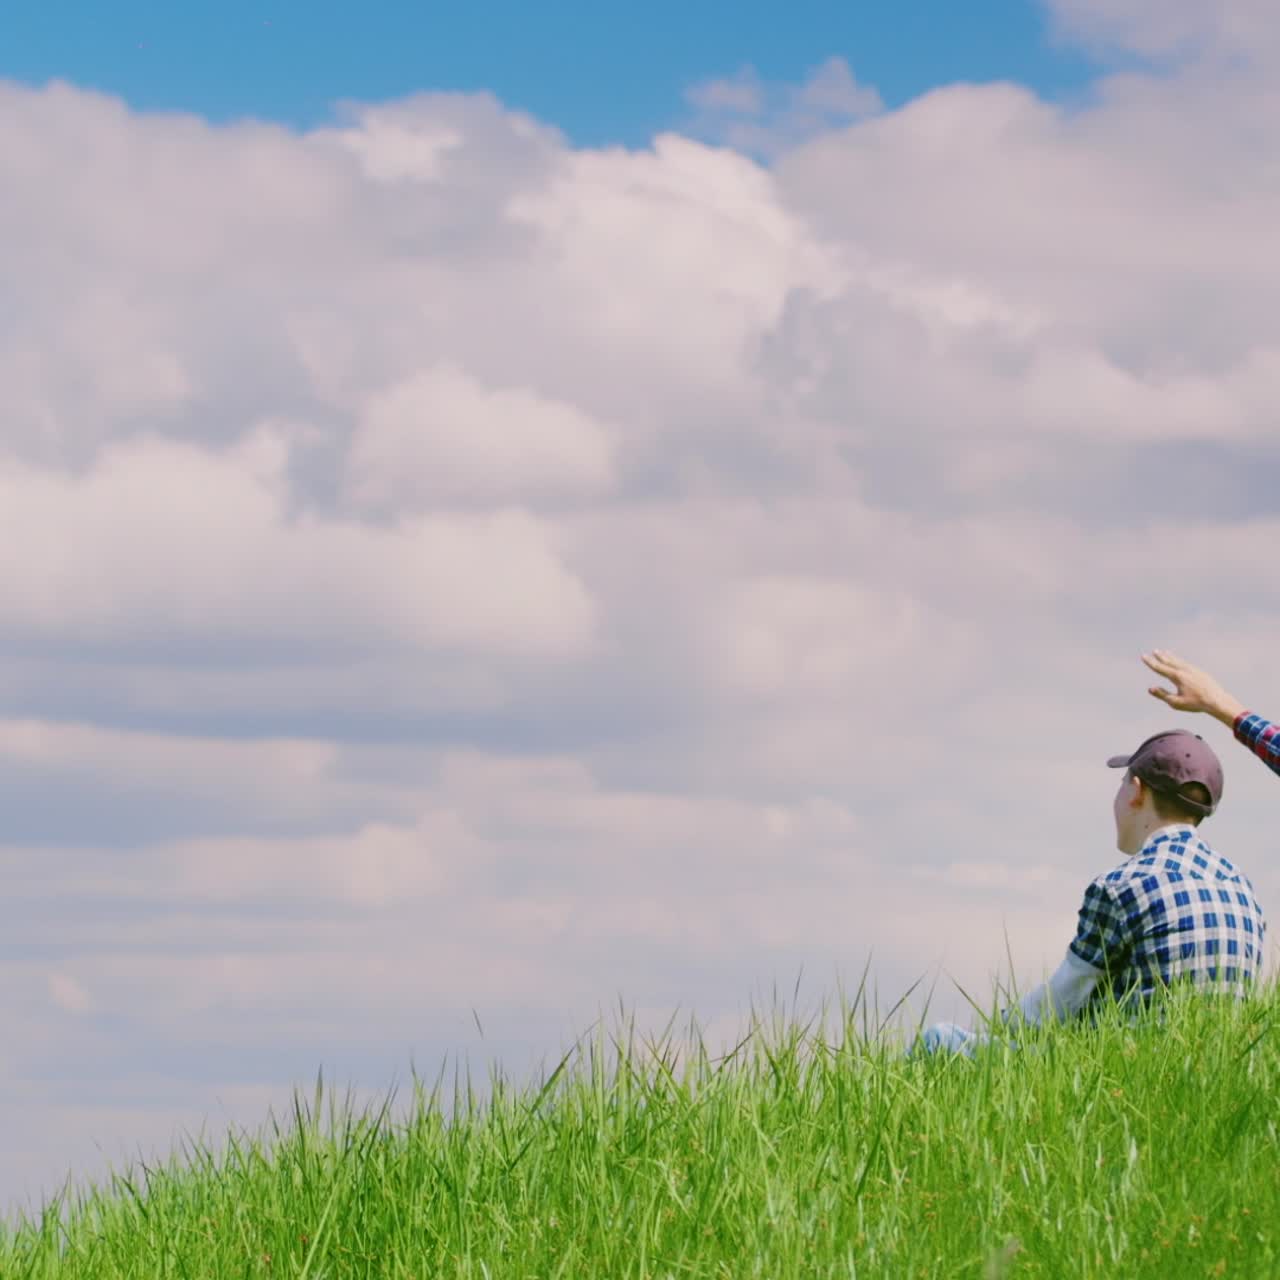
{"points": [[1176, 910]]}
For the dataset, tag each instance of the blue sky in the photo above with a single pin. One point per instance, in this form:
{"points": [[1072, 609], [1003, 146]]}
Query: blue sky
{"points": [[602, 73]]}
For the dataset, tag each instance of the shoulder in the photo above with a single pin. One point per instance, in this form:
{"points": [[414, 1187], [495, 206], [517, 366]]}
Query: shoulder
{"points": [[1213, 865], [1104, 892], [1140, 867], [1171, 854]]}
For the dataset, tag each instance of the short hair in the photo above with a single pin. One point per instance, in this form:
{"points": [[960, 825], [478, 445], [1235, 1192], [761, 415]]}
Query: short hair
{"points": [[1169, 807]]}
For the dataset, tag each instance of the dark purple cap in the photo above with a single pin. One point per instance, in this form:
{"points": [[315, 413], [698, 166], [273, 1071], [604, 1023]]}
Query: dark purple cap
{"points": [[1168, 761]]}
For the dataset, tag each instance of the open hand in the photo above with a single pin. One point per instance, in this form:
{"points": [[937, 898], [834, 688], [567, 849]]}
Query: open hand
{"points": [[1194, 690]]}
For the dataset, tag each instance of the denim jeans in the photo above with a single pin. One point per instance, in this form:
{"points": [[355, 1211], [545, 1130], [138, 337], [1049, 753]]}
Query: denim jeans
{"points": [[946, 1036]]}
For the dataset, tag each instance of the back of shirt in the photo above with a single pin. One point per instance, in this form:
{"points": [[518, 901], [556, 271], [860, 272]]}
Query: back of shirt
{"points": [[1175, 911]]}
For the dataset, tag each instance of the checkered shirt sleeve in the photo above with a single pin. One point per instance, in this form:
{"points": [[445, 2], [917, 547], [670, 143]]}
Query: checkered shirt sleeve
{"points": [[1102, 934], [1261, 737]]}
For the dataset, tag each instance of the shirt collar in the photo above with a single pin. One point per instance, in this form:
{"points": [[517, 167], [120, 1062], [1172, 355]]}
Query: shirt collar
{"points": [[1172, 830]]}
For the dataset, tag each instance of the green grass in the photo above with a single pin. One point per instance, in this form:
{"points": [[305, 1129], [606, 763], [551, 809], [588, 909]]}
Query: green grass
{"points": [[1115, 1150]]}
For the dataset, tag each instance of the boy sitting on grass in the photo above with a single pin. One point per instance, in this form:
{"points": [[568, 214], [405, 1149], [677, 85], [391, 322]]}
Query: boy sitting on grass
{"points": [[1174, 910]]}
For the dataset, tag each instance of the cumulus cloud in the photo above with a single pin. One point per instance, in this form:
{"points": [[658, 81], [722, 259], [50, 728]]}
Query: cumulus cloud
{"points": [[447, 569], [440, 437], [161, 534], [1182, 29], [68, 994], [761, 118]]}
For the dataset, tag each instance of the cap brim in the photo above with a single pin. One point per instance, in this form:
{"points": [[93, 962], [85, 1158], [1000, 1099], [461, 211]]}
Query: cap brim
{"points": [[1118, 762]]}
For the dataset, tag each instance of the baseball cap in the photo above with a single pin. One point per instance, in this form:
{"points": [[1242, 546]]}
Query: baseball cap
{"points": [[1168, 761]]}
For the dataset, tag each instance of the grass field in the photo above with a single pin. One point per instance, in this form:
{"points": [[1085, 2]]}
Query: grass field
{"points": [[1116, 1150]]}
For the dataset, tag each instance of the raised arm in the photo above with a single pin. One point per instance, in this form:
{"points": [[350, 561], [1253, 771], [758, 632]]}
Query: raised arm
{"points": [[1193, 689], [1197, 690], [1261, 737]]}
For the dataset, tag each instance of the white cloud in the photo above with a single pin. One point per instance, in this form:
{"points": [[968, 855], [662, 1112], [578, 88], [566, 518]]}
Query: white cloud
{"points": [[789, 637], [393, 147], [68, 994], [699, 256], [763, 119], [742, 94], [165, 537], [1181, 28], [441, 437]]}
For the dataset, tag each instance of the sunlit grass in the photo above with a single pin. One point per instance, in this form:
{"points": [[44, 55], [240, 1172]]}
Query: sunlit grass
{"points": [[1110, 1150]]}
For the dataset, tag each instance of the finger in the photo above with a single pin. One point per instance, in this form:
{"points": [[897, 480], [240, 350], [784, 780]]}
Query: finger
{"points": [[1158, 664], [1172, 660], [1165, 695]]}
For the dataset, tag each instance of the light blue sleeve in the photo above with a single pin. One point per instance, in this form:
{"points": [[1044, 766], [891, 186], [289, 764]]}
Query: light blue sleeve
{"points": [[1060, 998], [1064, 994]]}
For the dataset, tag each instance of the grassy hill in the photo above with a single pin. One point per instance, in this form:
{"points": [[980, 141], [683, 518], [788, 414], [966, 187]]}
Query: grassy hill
{"points": [[1116, 1150]]}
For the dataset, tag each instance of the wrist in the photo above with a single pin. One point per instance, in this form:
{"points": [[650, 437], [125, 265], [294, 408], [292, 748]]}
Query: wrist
{"points": [[1229, 711]]}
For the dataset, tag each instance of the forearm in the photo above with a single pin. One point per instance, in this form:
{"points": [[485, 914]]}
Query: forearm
{"points": [[1262, 737], [1227, 709], [1060, 998], [1065, 993]]}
